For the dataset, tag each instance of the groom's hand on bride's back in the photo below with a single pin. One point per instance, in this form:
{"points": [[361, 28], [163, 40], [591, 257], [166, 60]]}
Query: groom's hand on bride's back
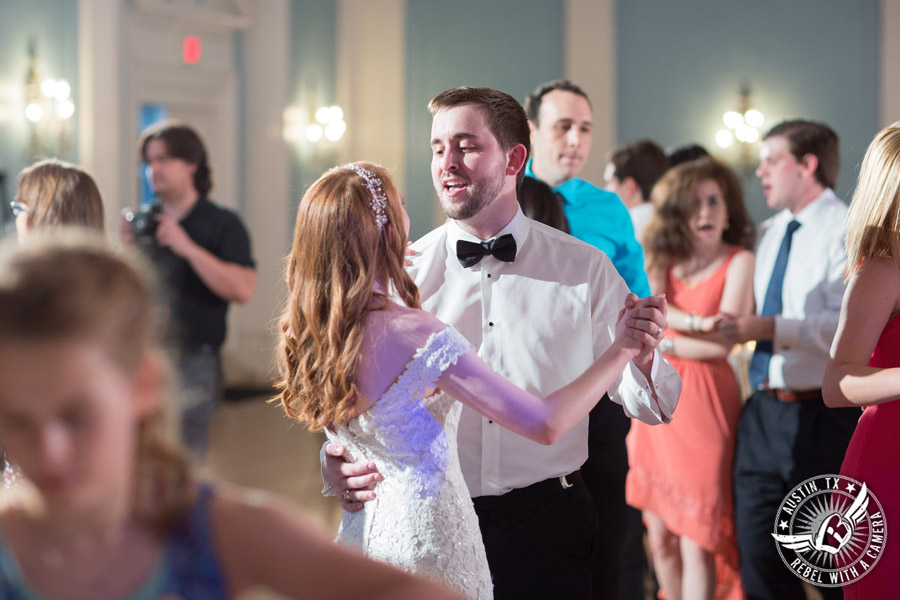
{"points": [[354, 482]]}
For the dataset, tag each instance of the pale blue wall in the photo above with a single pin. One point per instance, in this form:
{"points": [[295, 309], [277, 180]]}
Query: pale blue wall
{"points": [[680, 66], [312, 80], [511, 45], [54, 24]]}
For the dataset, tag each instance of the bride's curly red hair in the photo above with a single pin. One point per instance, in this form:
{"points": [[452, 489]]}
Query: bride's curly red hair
{"points": [[339, 252]]}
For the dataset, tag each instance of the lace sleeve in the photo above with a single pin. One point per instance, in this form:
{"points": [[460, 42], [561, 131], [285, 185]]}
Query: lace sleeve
{"points": [[401, 409], [442, 349], [408, 429]]}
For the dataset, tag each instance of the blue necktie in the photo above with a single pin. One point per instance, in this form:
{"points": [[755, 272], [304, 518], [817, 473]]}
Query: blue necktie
{"points": [[759, 364]]}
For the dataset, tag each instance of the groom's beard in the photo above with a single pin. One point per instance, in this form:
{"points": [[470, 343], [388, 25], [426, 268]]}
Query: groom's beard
{"points": [[480, 194]]}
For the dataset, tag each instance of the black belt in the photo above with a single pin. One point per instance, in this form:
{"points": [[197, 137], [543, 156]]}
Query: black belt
{"points": [[791, 395], [198, 349], [541, 489]]}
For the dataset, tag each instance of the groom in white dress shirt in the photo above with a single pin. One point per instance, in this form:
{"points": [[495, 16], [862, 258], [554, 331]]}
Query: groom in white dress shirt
{"points": [[539, 306]]}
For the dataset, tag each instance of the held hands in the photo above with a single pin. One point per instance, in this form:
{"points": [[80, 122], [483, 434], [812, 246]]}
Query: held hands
{"points": [[706, 324], [738, 330], [644, 322], [353, 482]]}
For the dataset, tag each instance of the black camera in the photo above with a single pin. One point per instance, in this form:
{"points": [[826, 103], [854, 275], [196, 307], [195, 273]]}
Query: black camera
{"points": [[144, 223]]}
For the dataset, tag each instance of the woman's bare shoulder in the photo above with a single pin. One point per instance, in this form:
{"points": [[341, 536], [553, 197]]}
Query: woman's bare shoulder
{"points": [[742, 261], [414, 324], [880, 267]]}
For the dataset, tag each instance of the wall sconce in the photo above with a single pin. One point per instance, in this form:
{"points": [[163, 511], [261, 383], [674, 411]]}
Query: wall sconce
{"points": [[330, 121], [48, 108], [314, 131], [742, 126]]}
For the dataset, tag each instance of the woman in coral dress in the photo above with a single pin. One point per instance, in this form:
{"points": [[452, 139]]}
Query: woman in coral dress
{"points": [[680, 475], [864, 369]]}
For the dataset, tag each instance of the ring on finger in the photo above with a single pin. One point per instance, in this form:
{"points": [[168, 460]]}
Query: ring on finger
{"points": [[658, 332], [345, 496]]}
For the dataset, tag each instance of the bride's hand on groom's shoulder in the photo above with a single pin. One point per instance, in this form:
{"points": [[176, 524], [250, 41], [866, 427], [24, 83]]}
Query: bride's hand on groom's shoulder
{"points": [[354, 482]]}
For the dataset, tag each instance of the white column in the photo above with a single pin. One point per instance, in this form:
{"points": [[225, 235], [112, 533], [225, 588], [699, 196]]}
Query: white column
{"points": [[99, 100], [590, 62], [889, 105], [371, 82], [251, 336]]}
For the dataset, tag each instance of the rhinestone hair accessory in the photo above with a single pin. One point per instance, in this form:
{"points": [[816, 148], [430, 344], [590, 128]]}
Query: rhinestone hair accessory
{"points": [[376, 189]]}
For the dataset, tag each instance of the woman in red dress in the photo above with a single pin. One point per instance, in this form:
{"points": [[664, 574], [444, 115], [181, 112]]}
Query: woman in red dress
{"points": [[864, 369], [680, 474]]}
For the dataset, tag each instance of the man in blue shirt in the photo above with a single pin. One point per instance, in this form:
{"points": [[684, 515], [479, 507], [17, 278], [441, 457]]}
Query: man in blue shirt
{"points": [[560, 118], [559, 114]]}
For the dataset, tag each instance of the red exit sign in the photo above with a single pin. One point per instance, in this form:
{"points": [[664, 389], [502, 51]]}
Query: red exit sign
{"points": [[191, 49]]}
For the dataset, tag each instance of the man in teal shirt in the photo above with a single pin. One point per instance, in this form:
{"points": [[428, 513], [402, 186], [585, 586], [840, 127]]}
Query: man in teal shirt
{"points": [[559, 114]]}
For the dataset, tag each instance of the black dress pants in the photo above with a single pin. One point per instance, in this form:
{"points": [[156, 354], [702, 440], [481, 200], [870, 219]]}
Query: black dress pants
{"points": [[620, 562], [540, 540], [779, 445]]}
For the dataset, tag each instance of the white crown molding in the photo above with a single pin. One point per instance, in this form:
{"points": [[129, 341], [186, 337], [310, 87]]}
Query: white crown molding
{"points": [[233, 14]]}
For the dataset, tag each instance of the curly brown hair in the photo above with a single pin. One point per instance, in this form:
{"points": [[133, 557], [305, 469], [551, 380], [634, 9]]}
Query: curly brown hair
{"points": [[668, 237], [339, 253]]}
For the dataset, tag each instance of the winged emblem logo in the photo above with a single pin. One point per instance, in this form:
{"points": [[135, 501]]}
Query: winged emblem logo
{"points": [[833, 532], [830, 530]]}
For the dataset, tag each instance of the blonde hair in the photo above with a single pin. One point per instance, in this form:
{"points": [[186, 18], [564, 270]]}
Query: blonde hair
{"points": [[72, 285], [874, 220], [339, 253], [58, 193]]}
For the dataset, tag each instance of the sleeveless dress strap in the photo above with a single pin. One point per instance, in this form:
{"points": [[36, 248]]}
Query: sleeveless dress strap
{"points": [[194, 569]]}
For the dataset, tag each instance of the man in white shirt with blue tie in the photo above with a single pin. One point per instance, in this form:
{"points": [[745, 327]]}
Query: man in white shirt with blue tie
{"points": [[786, 433], [539, 305]]}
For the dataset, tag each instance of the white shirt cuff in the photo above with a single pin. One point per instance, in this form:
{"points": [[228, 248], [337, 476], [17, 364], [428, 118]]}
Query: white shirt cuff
{"points": [[787, 333], [651, 402]]}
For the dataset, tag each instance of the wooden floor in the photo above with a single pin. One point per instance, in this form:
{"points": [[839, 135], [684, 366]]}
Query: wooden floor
{"points": [[254, 444]]}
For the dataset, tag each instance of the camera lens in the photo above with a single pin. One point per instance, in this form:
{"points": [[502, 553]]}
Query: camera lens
{"points": [[143, 223]]}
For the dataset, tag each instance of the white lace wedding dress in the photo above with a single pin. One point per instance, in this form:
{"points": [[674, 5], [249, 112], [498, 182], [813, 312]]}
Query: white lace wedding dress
{"points": [[422, 519]]}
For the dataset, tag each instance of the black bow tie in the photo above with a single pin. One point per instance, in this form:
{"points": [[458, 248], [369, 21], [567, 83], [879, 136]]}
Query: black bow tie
{"points": [[470, 253]]}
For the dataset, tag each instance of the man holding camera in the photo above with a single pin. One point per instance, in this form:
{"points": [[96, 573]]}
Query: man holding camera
{"points": [[203, 255]]}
